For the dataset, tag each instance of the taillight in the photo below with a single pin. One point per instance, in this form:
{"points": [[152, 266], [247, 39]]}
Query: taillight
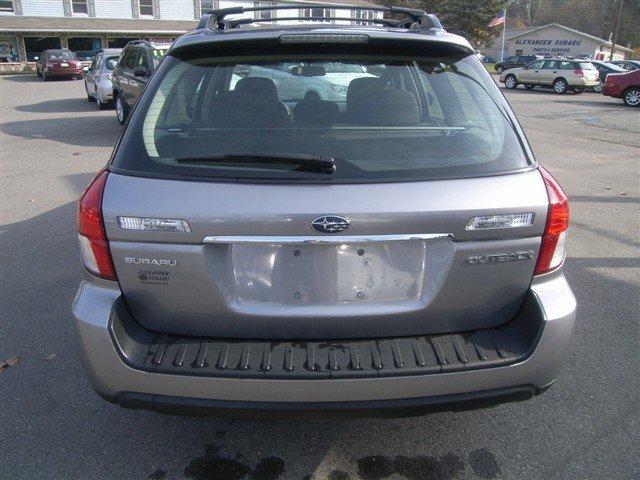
{"points": [[579, 72], [94, 245], [554, 239]]}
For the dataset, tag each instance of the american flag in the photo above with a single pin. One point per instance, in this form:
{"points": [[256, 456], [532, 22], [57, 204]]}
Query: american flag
{"points": [[499, 20]]}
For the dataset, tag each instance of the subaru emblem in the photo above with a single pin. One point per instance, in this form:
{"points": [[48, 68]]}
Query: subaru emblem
{"points": [[330, 224]]}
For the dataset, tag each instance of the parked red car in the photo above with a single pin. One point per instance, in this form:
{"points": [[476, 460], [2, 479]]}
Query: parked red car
{"points": [[58, 63], [625, 86]]}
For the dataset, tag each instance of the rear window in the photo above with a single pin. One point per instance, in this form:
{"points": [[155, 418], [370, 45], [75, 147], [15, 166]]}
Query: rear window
{"points": [[128, 57], [586, 66], [615, 68], [111, 62], [60, 55], [379, 119]]}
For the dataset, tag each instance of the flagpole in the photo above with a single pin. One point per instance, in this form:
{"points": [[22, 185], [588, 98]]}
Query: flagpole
{"points": [[504, 31]]}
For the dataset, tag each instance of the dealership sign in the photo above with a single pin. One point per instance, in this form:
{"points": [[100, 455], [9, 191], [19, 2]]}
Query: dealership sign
{"points": [[549, 46]]}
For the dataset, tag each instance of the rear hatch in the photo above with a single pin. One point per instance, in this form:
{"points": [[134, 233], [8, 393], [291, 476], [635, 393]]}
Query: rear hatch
{"points": [[406, 265], [224, 221], [62, 61]]}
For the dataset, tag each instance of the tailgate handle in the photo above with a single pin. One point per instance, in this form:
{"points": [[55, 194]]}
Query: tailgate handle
{"points": [[325, 239]]}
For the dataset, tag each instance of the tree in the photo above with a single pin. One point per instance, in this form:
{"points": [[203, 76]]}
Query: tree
{"points": [[467, 17], [530, 9], [596, 17], [471, 17]]}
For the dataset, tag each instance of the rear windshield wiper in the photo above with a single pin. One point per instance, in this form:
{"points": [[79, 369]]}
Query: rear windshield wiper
{"points": [[307, 163]]}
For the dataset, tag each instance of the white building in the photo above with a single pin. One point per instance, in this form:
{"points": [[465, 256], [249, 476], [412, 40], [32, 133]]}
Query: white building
{"points": [[553, 39], [29, 26]]}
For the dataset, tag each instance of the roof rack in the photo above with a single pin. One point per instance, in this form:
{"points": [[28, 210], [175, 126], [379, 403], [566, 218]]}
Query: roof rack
{"points": [[138, 42], [146, 42], [215, 19]]}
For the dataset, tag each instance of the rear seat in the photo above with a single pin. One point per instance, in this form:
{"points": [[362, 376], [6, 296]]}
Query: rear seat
{"points": [[316, 113], [369, 102], [253, 103]]}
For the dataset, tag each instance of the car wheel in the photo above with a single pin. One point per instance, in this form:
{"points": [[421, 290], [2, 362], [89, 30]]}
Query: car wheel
{"points": [[511, 82], [100, 104], [560, 85], [528, 86], [121, 110], [631, 97], [89, 96], [499, 69], [598, 88]]}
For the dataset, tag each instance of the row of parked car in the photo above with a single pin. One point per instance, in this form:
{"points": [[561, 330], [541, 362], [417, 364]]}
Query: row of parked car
{"points": [[119, 76], [619, 79], [521, 60], [113, 76]]}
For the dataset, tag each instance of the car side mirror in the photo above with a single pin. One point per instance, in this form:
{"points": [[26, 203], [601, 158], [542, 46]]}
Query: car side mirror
{"points": [[140, 72]]}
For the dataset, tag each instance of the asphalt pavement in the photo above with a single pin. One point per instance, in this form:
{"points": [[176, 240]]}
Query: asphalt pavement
{"points": [[52, 425]]}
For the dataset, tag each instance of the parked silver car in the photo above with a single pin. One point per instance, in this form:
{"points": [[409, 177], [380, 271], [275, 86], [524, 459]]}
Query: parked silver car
{"points": [[98, 78], [559, 74], [394, 252]]}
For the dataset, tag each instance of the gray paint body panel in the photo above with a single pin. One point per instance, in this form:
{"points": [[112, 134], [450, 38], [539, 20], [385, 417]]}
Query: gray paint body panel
{"points": [[252, 288], [217, 208]]}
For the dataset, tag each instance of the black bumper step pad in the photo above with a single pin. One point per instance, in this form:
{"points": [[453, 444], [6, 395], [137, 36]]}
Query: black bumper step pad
{"points": [[357, 358]]}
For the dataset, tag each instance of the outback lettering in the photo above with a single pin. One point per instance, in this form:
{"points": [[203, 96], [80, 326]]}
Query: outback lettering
{"points": [[501, 257]]}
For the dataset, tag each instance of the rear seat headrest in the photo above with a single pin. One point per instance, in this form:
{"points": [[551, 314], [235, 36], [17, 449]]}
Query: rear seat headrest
{"points": [[257, 87], [388, 107], [359, 88], [395, 107]]}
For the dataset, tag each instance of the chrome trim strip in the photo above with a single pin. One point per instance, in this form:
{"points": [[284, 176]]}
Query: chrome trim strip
{"points": [[325, 239]]}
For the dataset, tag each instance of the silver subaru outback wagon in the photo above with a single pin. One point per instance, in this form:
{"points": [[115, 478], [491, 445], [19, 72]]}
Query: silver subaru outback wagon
{"points": [[322, 219]]}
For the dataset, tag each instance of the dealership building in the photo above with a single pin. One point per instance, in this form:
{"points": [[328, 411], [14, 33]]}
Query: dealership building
{"points": [[555, 40], [27, 27]]}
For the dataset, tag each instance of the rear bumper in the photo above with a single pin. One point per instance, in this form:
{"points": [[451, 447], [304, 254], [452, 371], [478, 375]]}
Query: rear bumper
{"points": [[403, 407], [64, 73], [582, 82], [612, 91], [113, 377], [105, 90]]}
